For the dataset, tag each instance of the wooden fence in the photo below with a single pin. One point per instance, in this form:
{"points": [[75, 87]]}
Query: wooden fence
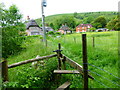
{"points": [[62, 59]]}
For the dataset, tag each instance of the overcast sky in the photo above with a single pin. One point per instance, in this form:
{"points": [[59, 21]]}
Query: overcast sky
{"points": [[32, 8]]}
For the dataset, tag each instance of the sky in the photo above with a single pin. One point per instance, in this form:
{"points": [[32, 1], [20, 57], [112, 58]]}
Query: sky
{"points": [[32, 8]]}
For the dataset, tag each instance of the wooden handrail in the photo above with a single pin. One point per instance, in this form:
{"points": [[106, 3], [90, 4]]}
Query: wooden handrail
{"points": [[76, 65], [31, 60]]}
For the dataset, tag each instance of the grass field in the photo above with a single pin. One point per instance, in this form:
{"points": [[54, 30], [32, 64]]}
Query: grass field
{"points": [[104, 56]]}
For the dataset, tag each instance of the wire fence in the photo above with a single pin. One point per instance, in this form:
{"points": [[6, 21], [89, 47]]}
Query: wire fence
{"points": [[103, 76]]}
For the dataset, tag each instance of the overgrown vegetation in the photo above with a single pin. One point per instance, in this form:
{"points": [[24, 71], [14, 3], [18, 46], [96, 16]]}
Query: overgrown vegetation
{"points": [[104, 55], [12, 27]]}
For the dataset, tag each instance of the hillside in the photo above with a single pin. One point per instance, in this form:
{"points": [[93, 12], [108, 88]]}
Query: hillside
{"points": [[86, 17]]}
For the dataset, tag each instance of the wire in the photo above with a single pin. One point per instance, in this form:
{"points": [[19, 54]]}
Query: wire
{"points": [[103, 70], [101, 83], [105, 78]]}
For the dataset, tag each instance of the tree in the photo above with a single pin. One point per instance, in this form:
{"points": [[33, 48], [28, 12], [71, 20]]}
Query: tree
{"points": [[75, 14], [93, 29], [99, 22], [51, 25], [11, 26], [88, 20], [113, 24], [68, 20]]}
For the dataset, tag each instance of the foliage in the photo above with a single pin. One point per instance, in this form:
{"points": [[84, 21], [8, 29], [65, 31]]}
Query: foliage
{"points": [[88, 19], [11, 41], [101, 55], [51, 32], [92, 28], [58, 33], [113, 24], [99, 22], [68, 20], [26, 76], [12, 30], [79, 18]]}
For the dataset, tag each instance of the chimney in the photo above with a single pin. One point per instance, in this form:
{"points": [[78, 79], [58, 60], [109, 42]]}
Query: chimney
{"points": [[28, 18]]}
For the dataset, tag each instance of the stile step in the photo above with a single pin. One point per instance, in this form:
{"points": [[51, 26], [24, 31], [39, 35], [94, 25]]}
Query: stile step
{"points": [[66, 72], [64, 86]]}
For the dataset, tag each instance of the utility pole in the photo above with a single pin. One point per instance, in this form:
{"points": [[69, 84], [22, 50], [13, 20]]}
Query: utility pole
{"points": [[43, 4]]}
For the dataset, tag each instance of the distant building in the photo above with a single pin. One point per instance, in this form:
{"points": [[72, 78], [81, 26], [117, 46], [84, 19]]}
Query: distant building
{"points": [[83, 28], [101, 30], [48, 29], [64, 29], [33, 28]]}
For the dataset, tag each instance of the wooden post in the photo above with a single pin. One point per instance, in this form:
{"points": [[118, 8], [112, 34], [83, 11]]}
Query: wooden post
{"points": [[64, 64], [4, 71], [64, 39], [74, 39], [59, 55], [85, 66], [46, 43], [93, 41]]}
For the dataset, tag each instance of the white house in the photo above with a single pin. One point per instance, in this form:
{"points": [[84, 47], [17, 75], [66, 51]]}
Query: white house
{"points": [[33, 28]]}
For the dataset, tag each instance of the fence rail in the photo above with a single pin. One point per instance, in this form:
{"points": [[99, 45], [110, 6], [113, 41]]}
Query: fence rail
{"points": [[31, 60]]}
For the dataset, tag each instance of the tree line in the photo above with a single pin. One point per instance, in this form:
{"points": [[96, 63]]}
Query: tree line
{"points": [[97, 19]]}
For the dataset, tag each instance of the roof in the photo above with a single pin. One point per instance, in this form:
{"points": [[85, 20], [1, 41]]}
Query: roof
{"points": [[31, 23], [84, 25], [48, 28], [64, 27]]}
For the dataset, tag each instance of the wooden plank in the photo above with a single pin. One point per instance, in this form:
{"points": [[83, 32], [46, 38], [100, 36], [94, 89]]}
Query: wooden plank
{"points": [[66, 72], [63, 86], [76, 65], [31, 60]]}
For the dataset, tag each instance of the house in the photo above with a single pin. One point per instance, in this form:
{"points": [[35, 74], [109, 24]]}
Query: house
{"points": [[33, 28], [83, 28], [48, 29], [101, 30], [64, 29]]}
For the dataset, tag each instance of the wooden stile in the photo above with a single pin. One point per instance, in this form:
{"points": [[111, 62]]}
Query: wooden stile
{"points": [[64, 63], [76, 66], [93, 41], [31, 60], [66, 72], [64, 86], [4, 71]]}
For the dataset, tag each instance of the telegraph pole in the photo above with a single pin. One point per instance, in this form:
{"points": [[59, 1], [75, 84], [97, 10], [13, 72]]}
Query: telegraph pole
{"points": [[43, 4]]}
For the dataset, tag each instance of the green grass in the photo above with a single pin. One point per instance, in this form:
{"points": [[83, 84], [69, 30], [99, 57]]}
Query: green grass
{"points": [[103, 55]]}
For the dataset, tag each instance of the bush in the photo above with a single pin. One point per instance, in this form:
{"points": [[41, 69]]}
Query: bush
{"points": [[11, 41], [51, 32], [58, 33]]}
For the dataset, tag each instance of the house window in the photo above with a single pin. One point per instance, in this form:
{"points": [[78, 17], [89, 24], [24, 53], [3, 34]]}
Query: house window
{"points": [[88, 26], [82, 27]]}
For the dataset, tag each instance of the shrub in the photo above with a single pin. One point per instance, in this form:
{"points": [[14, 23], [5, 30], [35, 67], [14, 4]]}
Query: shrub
{"points": [[11, 41], [58, 33], [51, 32]]}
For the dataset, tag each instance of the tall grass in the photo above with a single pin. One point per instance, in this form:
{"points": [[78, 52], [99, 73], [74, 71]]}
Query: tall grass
{"points": [[104, 55], [26, 76]]}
